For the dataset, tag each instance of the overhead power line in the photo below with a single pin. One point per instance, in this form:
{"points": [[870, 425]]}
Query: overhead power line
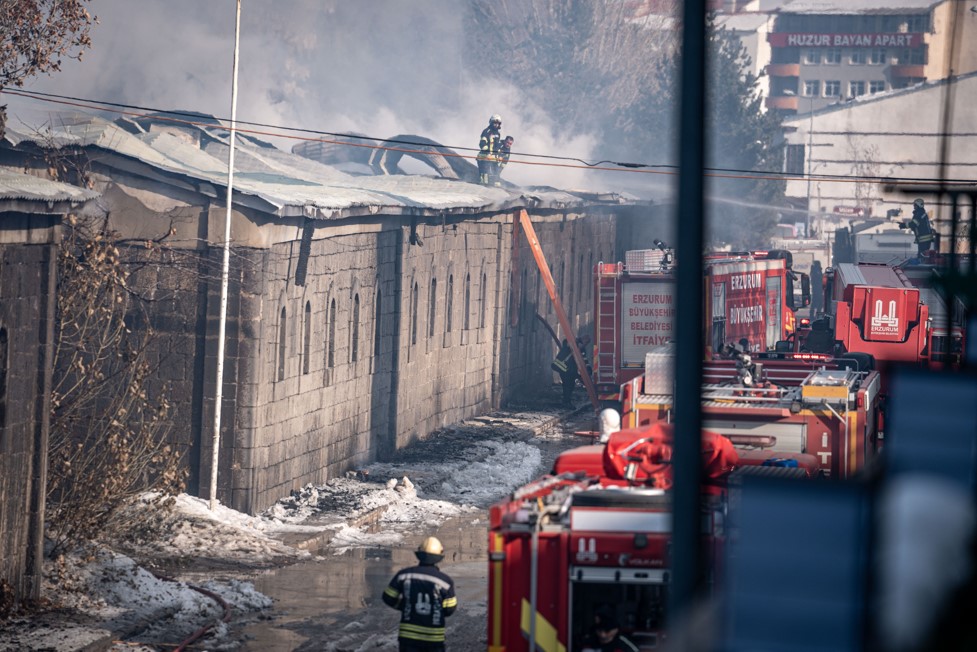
{"points": [[372, 142]]}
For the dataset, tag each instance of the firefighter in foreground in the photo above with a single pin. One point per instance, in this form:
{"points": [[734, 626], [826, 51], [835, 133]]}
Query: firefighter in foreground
{"points": [[488, 149], [425, 596], [920, 225]]}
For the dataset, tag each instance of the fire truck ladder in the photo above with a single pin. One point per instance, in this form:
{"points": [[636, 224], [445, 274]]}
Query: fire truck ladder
{"points": [[607, 329]]}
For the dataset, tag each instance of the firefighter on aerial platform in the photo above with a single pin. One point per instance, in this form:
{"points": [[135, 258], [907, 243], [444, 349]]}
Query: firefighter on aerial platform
{"points": [[920, 225], [425, 596], [488, 150]]}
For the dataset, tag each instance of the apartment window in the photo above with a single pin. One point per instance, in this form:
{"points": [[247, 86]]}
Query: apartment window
{"points": [[307, 337], [331, 344], [832, 55], [832, 88], [877, 56], [282, 329], [918, 23], [354, 343], [432, 309], [795, 160], [377, 322], [812, 88], [468, 301], [876, 86], [857, 56], [812, 57], [856, 88]]}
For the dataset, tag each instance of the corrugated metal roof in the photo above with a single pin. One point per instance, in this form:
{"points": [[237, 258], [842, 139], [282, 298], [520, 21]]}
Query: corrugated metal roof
{"points": [[286, 183], [745, 22], [17, 185], [854, 7]]}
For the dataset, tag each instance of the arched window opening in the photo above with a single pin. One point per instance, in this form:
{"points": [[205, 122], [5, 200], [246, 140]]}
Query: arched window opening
{"points": [[468, 301], [354, 344], [483, 294], [413, 315], [432, 307], [377, 323], [4, 365], [282, 329], [539, 282], [448, 297], [331, 347], [523, 303], [590, 285], [307, 339]]}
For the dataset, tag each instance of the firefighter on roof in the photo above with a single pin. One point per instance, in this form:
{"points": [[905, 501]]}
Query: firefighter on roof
{"points": [[488, 149], [505, 149], [920, 225], [425, 596]]}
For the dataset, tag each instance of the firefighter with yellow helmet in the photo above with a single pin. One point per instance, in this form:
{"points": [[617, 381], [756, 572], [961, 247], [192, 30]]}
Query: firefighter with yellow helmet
{"points": [[488, 149], [920, 225], [425, 596]]}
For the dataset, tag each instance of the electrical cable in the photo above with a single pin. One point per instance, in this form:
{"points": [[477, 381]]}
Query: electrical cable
{"points": [[213, 122]]}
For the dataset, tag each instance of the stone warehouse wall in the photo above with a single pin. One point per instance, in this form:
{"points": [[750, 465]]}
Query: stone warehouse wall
{"points": [[26, 288], [357, 342]]}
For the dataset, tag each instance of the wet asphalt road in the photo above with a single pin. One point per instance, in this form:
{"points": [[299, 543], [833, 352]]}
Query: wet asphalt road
{"points": [[333, 602]]}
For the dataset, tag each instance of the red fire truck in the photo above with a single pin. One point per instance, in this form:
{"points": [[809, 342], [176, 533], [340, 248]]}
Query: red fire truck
{"points": [[894, 314], [799, 403], [595, 535], [748, 296]]}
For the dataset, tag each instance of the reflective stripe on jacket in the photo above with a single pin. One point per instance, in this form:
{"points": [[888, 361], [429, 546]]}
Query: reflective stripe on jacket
{"points": [[425, 597]]}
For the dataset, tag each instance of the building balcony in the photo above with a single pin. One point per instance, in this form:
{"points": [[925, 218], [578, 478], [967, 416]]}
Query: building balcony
{"points": [[907, 70], [784, 69], [782, 102]]}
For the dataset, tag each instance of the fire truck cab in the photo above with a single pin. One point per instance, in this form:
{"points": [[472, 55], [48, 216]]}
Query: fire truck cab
{"points": [[894, 314]]}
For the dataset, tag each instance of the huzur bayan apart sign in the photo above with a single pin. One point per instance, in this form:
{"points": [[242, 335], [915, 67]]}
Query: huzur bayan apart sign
{"points": [[827, 40]]}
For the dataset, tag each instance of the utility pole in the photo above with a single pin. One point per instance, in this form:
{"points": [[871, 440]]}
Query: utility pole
{"points": [[810, 149], [218, 390]]}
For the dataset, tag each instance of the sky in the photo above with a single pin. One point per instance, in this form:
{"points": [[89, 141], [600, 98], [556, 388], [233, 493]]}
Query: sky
{"points": [[380, 68]]}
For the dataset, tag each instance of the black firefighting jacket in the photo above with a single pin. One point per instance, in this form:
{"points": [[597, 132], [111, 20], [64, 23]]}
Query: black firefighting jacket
{"points": [[425, 597]]}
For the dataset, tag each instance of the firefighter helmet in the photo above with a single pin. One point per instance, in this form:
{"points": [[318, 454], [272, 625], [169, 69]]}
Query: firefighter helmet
{"points": [[430, 551], [918, 203], [496, 120]]}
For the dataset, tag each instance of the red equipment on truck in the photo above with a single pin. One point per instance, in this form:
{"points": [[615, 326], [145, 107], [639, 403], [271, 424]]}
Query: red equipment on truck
{"points": [[894, 314], [795, 404], [595, 535], [748, 296]]}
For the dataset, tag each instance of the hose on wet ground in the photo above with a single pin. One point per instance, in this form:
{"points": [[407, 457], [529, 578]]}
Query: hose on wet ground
{"points": [[201, 631]]}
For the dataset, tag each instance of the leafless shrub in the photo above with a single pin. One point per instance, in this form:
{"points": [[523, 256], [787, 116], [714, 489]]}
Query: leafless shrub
{"points": [[108, 417]]}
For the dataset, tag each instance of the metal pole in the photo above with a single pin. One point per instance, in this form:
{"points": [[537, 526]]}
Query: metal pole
{"points": [[810, 149], [687, 564], [218, 392]]}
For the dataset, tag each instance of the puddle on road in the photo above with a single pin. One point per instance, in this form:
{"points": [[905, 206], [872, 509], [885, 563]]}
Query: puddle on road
{"points": [[321, 598], [333, 603]]}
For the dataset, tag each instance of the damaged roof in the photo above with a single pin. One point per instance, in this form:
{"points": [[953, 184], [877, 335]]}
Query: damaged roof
{"points": [[19, 186], [282, 183]]}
